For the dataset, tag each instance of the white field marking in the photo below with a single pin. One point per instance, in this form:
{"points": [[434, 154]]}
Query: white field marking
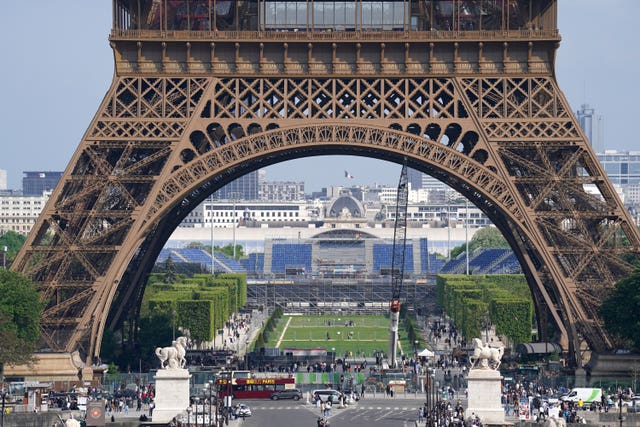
{"points": [[283, 331]]}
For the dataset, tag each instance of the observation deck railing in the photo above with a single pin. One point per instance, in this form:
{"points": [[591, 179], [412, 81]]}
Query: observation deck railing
{"points": [[326, 35]]}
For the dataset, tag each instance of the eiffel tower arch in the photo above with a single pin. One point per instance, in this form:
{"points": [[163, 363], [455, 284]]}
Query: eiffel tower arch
{"points": [[206, 91]]}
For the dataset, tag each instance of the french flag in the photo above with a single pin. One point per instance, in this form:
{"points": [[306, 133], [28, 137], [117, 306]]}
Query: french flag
{"points": [[348, 176]]}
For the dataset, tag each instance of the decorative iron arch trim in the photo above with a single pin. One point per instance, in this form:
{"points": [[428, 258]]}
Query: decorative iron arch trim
{"points": [[360, 137]]}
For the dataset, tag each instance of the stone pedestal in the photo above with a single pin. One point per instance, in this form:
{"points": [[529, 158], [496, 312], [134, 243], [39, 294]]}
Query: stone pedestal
{"points": [[485, 392], [172, 394]]}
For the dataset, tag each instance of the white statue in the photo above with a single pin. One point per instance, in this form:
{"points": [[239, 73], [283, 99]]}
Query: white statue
{"points": [[487, 357], [173, 357], [71, 422]]}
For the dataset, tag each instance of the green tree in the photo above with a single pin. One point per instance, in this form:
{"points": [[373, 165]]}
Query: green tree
{"points": [[620, 310], [13, 241], [487, 237], [228, 250], [20, 310], [199, 245], [155, 331], [170, 271]]}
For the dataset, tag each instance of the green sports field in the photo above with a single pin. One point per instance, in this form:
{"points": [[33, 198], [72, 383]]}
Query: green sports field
{"points": [[359, 335]]}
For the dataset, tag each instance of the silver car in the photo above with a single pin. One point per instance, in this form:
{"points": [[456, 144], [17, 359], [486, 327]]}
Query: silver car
{"points": [[294, 394]]}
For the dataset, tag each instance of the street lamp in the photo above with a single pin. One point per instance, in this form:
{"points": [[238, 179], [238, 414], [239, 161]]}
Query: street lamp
{"points": [[196, 400], [487, 322], [431, 405], [213, 255], [173, 321], [210, 386], [4, 395], [189, 415], [619, 404], [437, 403], [234, 198], [466, 234]]}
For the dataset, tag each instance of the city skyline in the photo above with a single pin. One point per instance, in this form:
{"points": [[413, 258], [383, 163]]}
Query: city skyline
{"points": [[61, 74]]}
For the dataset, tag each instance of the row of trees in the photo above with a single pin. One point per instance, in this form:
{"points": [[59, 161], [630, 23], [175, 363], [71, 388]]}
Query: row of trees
{"points": [[200, 304], [618, 311], [473, 301]]}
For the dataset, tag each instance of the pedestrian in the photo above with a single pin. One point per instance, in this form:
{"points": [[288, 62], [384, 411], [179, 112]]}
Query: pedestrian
{"points": [[362, 389], [420, 418]]}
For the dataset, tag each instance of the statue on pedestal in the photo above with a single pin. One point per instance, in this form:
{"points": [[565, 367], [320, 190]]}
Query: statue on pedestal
{"points": [[173, 357], [485, 357]]}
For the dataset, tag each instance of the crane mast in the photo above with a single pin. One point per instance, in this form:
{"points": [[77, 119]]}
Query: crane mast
{"points": [[397, 264]]}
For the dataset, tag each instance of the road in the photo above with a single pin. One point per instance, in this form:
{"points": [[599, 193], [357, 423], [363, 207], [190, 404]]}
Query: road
{"points": [[367, 412]]}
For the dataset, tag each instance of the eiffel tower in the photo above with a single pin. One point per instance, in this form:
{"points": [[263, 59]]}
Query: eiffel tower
{"points": [[206, 91]]}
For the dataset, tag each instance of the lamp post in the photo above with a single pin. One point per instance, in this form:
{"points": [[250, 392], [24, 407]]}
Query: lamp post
{"points": [[432, 403], [466, 234], [4, 395], [619, 404], [196, 400], [210, 385], [189, 415], [487, 321], [437, 403], [173, 321], [234, 199]]}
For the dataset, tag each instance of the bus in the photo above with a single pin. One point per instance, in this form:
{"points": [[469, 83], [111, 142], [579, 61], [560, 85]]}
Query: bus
{"points": [[249, 387]]}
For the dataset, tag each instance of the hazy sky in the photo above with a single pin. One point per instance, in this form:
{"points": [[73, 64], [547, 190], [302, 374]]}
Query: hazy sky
{"points": [[57, 65]]}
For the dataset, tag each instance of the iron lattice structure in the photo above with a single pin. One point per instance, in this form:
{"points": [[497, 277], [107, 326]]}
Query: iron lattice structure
{"points": [[189, 111]]}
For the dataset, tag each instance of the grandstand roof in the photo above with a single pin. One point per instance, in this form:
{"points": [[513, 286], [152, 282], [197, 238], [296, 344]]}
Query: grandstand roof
{"points": [[344, 234]]}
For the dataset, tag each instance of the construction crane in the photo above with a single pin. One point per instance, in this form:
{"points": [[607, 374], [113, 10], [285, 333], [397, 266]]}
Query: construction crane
{"points": [[397, 263]]}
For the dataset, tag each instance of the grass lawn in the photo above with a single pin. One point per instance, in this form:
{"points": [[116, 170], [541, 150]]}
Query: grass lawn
{"points": [[360, 335]]}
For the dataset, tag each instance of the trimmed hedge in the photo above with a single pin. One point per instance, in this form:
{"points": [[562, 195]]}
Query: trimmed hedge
{"points": [[204, 301], [197, 316], [506, 297]]}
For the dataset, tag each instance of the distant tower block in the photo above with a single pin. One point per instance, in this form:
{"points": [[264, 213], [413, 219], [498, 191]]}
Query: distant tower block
{"points": [[206, 91], [592, 125]]}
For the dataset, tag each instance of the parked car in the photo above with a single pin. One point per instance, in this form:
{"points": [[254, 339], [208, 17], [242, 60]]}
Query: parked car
{"points": [[327, 394], [294, 394], [634, 405], [241, 410]]}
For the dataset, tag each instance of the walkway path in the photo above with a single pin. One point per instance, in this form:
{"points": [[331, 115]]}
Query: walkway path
{"points": [[283, 332]]}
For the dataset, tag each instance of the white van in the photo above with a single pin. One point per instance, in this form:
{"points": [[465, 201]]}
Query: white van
{"points": [[324, 394], [587, 395]]}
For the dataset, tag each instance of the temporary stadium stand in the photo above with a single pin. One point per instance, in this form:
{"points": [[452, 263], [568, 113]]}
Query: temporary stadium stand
{"points": [[290, 254], [230, 264], [484, 261], [254, 263], [202, 257], [508, 264], [196, 256], [164, 254], [383, 256], [429, 262]]}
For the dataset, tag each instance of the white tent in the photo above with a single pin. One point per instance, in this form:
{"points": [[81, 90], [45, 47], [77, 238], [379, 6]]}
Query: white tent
{"points": [[426, 353]]}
